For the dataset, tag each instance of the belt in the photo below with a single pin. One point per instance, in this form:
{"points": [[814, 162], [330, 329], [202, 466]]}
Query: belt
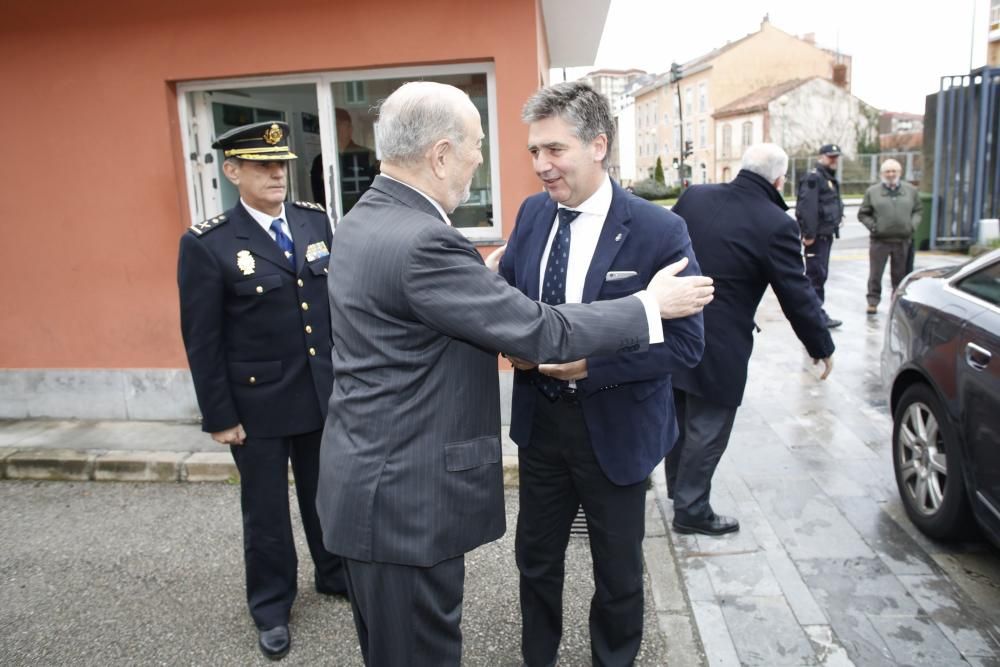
{"points": [[569, 395]]}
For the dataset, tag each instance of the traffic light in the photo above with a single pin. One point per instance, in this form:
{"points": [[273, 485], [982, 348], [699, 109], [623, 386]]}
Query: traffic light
{"points": [[675, 73], [688, 148]]}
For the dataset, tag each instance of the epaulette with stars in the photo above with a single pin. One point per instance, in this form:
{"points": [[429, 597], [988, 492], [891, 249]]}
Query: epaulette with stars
{"points": [[310, 205], [205, 226]]}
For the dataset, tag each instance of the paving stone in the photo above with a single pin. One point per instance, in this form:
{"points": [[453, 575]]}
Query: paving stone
{"points": [[694, 572], [751, 618], [668, 594], [890, 542], [826, 646], [965, 627], [209, 467], [916, 641], [14, 431], [800, 598], [806, 520], [742, 575], [714, 634], [50, 464], [132, 466], [683, 647]]}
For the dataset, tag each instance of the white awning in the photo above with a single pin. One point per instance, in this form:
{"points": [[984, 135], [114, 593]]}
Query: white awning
{"points": [[573, 29]]}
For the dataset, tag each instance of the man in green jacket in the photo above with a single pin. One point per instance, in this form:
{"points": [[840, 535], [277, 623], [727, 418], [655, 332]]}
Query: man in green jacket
{"points": [[891, 212]]}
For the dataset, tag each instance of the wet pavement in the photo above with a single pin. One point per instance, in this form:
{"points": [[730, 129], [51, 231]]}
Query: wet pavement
{"points": [[826, 569]]}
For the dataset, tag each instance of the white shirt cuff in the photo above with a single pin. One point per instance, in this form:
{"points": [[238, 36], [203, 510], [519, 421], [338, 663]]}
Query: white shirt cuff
{"points": [[652, 316]]}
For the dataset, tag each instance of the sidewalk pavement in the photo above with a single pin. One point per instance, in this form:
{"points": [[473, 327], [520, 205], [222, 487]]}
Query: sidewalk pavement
{"points": [[826, 569]]}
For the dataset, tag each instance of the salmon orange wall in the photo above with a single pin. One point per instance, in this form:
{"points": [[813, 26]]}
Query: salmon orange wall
{"points": [[94, 175]]}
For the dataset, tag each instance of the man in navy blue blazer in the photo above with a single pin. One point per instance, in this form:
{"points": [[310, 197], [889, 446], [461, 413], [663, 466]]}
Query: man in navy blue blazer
{"points": [[589, 431], [745, 241]]}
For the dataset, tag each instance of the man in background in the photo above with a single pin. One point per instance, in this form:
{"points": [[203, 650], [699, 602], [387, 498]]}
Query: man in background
{"points": [[819, 211], [891, 211], [358, 165]]}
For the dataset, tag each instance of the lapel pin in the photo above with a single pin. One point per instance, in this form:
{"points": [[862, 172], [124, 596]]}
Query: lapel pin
{"points": [[618, 238]]}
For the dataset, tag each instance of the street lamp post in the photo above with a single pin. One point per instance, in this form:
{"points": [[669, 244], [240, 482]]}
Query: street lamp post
{"points": [[675, 78]]}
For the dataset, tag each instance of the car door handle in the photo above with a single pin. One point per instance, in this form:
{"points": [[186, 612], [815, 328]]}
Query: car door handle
{"points": [[977, 357]]}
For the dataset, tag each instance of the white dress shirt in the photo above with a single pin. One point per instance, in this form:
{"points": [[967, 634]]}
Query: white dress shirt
{"points": [[264, 220], [584, 235]]}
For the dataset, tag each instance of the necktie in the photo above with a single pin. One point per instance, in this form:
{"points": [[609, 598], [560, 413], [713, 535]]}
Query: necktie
{"points": [[554, 289], [283, 241]]}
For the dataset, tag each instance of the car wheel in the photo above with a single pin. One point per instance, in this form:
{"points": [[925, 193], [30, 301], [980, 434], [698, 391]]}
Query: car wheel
{"points": [[928, 462]]}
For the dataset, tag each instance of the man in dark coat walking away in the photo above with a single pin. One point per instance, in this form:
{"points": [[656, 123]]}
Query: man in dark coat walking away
{"points": [[745, 241]]}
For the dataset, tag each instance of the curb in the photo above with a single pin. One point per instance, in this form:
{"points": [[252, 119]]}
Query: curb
{"points": [[72, 465]]}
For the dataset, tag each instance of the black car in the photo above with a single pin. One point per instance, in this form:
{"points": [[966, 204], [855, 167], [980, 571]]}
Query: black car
{"points": [[941, 363]]}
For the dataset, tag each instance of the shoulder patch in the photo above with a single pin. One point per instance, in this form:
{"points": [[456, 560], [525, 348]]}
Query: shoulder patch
{"points": [[310, 205], [206, 226]]}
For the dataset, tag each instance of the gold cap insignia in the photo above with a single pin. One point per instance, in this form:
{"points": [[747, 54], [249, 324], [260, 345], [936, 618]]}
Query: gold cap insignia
{"points": [[273, 134], [245, 262]]}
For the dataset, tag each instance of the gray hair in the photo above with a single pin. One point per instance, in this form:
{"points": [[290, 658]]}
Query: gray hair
{"points": [[416, 116], [890, 163], [581, 106], [769, 161]]}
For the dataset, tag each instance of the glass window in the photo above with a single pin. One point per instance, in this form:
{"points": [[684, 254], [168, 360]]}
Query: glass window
{"points": [[984, 284], [747, 137], [702, 134], [331, 118], [688, 96], [702, 97], [727, 140]]}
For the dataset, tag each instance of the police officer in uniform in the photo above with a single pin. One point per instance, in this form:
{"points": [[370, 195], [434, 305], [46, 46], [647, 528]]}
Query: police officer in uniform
{"points": [[256, 326], [819, 211]]}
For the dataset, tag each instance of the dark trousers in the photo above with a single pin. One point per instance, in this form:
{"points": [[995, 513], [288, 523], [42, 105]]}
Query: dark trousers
{"points": [[818, 264], [407, 615], [268, 544], [558, 473], [879, 251], [704, 429]]}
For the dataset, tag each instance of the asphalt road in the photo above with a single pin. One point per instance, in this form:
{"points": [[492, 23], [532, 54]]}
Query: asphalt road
{"points": [[152, 574]]}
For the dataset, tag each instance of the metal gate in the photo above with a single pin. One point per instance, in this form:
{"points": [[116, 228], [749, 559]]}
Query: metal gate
{"points": [[966, 157]]}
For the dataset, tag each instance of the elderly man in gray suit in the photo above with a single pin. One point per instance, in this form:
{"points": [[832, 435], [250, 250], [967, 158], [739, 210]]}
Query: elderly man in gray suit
{"points": [[410, 471]]}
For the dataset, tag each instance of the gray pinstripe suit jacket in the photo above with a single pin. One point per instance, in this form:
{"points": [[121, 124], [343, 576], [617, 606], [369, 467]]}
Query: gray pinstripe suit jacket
{"points": [[410, 469]]}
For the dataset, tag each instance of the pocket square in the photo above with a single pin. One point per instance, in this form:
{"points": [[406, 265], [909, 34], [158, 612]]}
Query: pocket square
{"points": [[619, 275]]}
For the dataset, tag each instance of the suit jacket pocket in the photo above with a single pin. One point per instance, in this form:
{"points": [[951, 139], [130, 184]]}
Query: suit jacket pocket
{"points": [[472, 453], [258, 285], [319, 266], [617, 289], [253, 373]]}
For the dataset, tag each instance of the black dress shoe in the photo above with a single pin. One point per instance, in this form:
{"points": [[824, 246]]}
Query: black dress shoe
{"points": [[833, 324], [274, 643], [716, 525]]}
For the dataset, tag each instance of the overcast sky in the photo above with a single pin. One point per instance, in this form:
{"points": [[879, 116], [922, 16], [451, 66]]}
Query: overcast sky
{"points": [[900, 49]]}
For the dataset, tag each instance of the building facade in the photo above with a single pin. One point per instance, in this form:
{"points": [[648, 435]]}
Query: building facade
{"points": [[684, 109], [115, 109]]}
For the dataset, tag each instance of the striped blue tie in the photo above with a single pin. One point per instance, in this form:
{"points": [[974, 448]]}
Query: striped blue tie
{"points": [[283, 241]]}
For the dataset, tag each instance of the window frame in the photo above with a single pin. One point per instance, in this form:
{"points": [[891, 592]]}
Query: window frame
{"points": [[326, 104]]}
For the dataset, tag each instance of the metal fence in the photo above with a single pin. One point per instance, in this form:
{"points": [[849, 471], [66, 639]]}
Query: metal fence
{"points": [[966, 187], [857, 173]]}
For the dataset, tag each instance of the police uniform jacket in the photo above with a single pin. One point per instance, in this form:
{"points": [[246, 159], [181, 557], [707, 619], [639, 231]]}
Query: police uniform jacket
{"points": [[819, 208], [257, 330]]}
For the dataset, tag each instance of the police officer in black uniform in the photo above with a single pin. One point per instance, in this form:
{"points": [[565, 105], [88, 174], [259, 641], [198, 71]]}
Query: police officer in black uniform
{"points": [[256, 326], [819, 211]]}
